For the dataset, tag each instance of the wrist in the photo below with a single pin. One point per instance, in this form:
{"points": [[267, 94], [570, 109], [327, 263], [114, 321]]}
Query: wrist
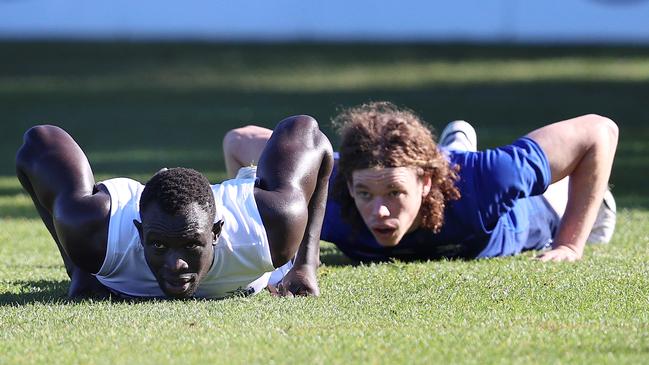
{"points": [[309, 258], [573, 249], [304, 267]]}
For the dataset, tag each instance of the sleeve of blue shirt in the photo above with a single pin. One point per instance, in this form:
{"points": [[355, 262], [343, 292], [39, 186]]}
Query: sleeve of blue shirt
{"points": [[495, 179]]}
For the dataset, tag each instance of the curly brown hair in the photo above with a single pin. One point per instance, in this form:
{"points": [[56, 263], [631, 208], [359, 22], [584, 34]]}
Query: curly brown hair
{"points": [[379, 134]]}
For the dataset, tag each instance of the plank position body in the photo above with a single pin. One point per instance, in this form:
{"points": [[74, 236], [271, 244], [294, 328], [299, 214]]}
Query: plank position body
{"points": [[395, 194], [178, 236]]}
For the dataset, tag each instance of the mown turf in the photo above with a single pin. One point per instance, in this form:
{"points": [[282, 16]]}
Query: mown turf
{"points": [[490, 311], [137, 107]]}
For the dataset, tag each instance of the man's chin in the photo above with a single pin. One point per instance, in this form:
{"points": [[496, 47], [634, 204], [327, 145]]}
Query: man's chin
{"points": [[387, 237], [388, 242]]}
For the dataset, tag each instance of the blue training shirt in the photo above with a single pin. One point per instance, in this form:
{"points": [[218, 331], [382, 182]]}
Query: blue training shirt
{"points": [[501, 211]]}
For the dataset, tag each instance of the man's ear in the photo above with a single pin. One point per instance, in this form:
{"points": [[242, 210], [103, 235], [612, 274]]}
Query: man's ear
{"points": [[138, 225], [216, 230], [350, 188], [428, 184]]}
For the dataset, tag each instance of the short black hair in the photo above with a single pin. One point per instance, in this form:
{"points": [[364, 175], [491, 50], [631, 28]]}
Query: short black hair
{"points": [[176, 188]]}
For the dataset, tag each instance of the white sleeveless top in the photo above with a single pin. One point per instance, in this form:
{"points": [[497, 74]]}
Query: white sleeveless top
{"points": [[242, 261]]}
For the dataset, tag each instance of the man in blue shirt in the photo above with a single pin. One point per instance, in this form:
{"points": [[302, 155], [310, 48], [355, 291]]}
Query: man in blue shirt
{"points": [[395, 194]]}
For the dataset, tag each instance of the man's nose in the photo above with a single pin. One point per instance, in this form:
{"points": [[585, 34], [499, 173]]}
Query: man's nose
{"points": [[176, 263], [381, 209]]}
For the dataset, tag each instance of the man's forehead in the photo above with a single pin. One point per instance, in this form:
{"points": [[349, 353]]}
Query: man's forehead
{"points": [[384, 176], [195, 211], [190, 218], [169, 232]]}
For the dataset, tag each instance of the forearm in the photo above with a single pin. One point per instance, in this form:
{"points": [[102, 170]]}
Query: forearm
{"points": [[308, 254], [585, 195], [582, 148], [243, 147], [294, 172], [309, 251]]}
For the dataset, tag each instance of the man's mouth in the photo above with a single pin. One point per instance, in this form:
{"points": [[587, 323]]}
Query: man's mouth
{"points": [[383, 231], [176, 286]]}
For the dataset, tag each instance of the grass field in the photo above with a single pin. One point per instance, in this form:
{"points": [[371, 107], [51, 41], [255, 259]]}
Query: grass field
{"points": [[137, 107]]}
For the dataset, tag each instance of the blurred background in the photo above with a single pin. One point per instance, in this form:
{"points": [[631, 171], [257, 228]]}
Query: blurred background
{"points": [[147, 84], [598, 21]]}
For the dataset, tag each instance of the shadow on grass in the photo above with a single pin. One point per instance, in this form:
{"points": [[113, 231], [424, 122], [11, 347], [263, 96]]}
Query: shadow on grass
{"points": [[56, 292], [332, 256], [18, 212], [501, 111], [11, 190], [91, 58], [37, 291]]}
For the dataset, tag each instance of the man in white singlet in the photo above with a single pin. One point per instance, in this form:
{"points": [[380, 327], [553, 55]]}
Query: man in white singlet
{"points": [[178, 236]]}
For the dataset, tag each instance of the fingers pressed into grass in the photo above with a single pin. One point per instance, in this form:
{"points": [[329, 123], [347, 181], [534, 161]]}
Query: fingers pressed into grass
{"points": [[560, 253]]}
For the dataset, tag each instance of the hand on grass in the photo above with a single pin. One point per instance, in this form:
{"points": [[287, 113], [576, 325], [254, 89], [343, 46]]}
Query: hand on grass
{"points": [[298, 281], [559, 253]]}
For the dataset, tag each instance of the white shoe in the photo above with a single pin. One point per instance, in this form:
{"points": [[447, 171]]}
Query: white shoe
{"points": [[604, 226], [459, 136]]}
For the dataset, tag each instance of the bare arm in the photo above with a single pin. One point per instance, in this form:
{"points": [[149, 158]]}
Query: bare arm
{"points": [[293, 173], [582, 148], [243, 147], [55, 172]]}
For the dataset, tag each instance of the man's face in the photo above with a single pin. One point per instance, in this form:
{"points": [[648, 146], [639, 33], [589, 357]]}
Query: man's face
{"points": [[179, 249], [389, 199]]}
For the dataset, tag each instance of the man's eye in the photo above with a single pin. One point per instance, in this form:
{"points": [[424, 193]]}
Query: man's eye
{"points": [[395, 193], [157, 245], [191, 245], [363, 194]]}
